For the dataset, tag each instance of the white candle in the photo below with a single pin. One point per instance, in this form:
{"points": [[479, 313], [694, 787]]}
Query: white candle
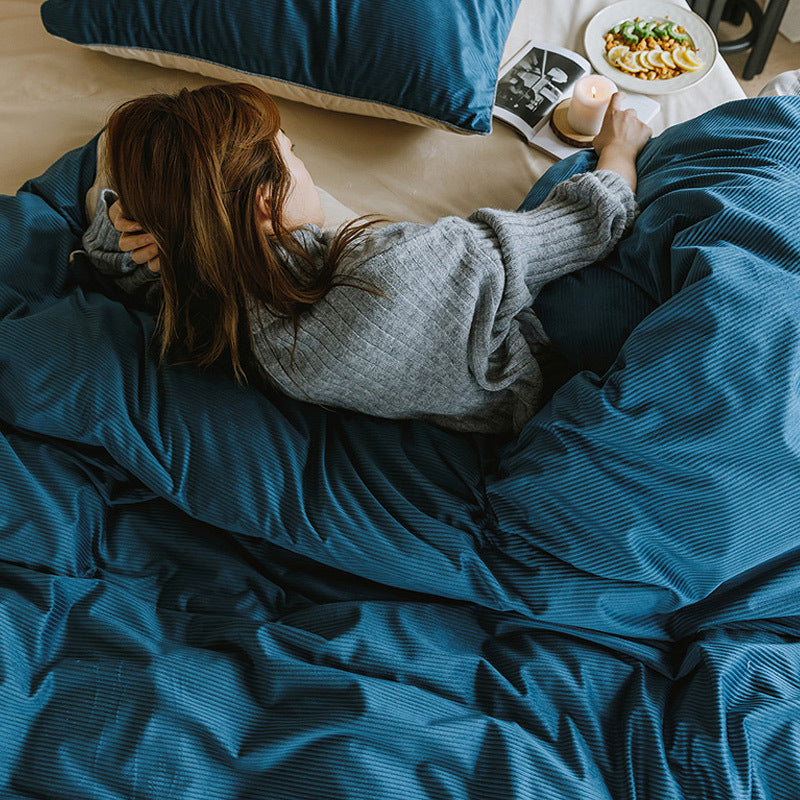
{"points": [[590, 98]]}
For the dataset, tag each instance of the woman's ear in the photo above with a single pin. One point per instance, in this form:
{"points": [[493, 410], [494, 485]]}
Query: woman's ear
{"points": [[264, 210]]}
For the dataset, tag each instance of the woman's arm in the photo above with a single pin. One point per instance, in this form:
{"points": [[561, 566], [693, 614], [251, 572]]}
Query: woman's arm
{"points": [[620, 140], [583, 218], [578, 224]]}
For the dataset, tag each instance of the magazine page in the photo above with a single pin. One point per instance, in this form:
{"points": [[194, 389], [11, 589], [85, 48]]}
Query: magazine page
{"points": [[534, 83]]}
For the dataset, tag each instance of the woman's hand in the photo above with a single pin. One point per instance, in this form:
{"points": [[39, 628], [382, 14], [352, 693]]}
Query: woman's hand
{"points": [[621, 139], [622, 130], [141, 245]]}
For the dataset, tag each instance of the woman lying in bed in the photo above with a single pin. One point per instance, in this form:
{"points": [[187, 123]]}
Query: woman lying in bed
{"points": [[406, 321]]}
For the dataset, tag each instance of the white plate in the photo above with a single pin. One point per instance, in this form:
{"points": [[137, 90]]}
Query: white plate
{"points": [[702, 36]]}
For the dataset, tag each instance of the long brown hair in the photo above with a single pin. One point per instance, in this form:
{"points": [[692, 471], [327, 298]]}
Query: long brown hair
{"points": [[188, 168]]}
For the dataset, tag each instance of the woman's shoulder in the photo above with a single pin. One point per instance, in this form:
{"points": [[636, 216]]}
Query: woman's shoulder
{"points": [[380, 241]]}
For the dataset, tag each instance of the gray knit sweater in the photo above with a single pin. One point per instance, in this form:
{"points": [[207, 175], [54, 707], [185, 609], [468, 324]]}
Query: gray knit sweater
{"points": [[454, 339]]}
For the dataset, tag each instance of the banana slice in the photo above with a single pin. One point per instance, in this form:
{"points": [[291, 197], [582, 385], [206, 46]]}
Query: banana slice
{"points": [[686, 59], [616, 53]]}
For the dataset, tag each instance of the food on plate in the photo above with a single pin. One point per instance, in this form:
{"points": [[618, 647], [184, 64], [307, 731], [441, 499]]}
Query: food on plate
{"points": [[655, 49]]}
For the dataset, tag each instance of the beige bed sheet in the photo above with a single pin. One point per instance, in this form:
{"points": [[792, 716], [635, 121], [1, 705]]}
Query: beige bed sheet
{"points": [[55, 96]]}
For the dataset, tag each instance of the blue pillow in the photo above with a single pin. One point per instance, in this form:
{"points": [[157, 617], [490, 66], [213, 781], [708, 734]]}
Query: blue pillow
{"points": [[429, 62]]}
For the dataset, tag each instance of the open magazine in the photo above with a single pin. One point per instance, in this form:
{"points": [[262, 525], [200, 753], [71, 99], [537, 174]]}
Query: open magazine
{"points": [[535, 80]]}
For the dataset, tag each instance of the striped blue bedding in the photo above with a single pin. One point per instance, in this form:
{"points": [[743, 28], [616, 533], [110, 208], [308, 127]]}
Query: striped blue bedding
{"points": [[206, 592]]}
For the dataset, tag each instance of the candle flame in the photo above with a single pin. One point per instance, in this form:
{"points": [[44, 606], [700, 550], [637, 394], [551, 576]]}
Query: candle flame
{"points": [[594, 93]]}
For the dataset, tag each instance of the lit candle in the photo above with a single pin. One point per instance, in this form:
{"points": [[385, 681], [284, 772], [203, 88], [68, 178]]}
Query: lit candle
{"points": [[590, 98]]}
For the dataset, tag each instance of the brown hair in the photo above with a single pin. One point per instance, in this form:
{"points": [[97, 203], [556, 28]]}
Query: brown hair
{"points": [[188, 168]]}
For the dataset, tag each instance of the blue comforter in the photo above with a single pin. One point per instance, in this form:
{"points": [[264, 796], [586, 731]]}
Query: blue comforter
{"points": [[206, 592]]}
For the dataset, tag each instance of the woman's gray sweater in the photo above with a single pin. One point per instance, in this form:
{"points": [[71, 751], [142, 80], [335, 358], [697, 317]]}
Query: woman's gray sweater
{"points": [[454, 339]]}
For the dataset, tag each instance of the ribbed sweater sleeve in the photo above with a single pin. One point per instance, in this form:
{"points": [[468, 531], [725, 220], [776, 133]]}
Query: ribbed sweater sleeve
{"points": [[578, 224]]}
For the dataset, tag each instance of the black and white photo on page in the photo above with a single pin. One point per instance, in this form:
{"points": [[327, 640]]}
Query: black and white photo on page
{"points": [[535, 83]]}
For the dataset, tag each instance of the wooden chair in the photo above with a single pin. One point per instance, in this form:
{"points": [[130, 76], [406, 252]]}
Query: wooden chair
{"points": [[760, 37]]}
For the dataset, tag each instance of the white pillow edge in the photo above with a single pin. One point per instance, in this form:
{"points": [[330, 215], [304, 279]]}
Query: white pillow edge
{"points": [[279, 88]]}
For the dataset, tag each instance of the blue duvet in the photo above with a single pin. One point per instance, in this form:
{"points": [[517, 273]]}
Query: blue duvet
{"points": [[206, 592]]}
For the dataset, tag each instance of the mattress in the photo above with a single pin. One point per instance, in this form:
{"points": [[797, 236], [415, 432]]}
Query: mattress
{"points": [[55, 96]]}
